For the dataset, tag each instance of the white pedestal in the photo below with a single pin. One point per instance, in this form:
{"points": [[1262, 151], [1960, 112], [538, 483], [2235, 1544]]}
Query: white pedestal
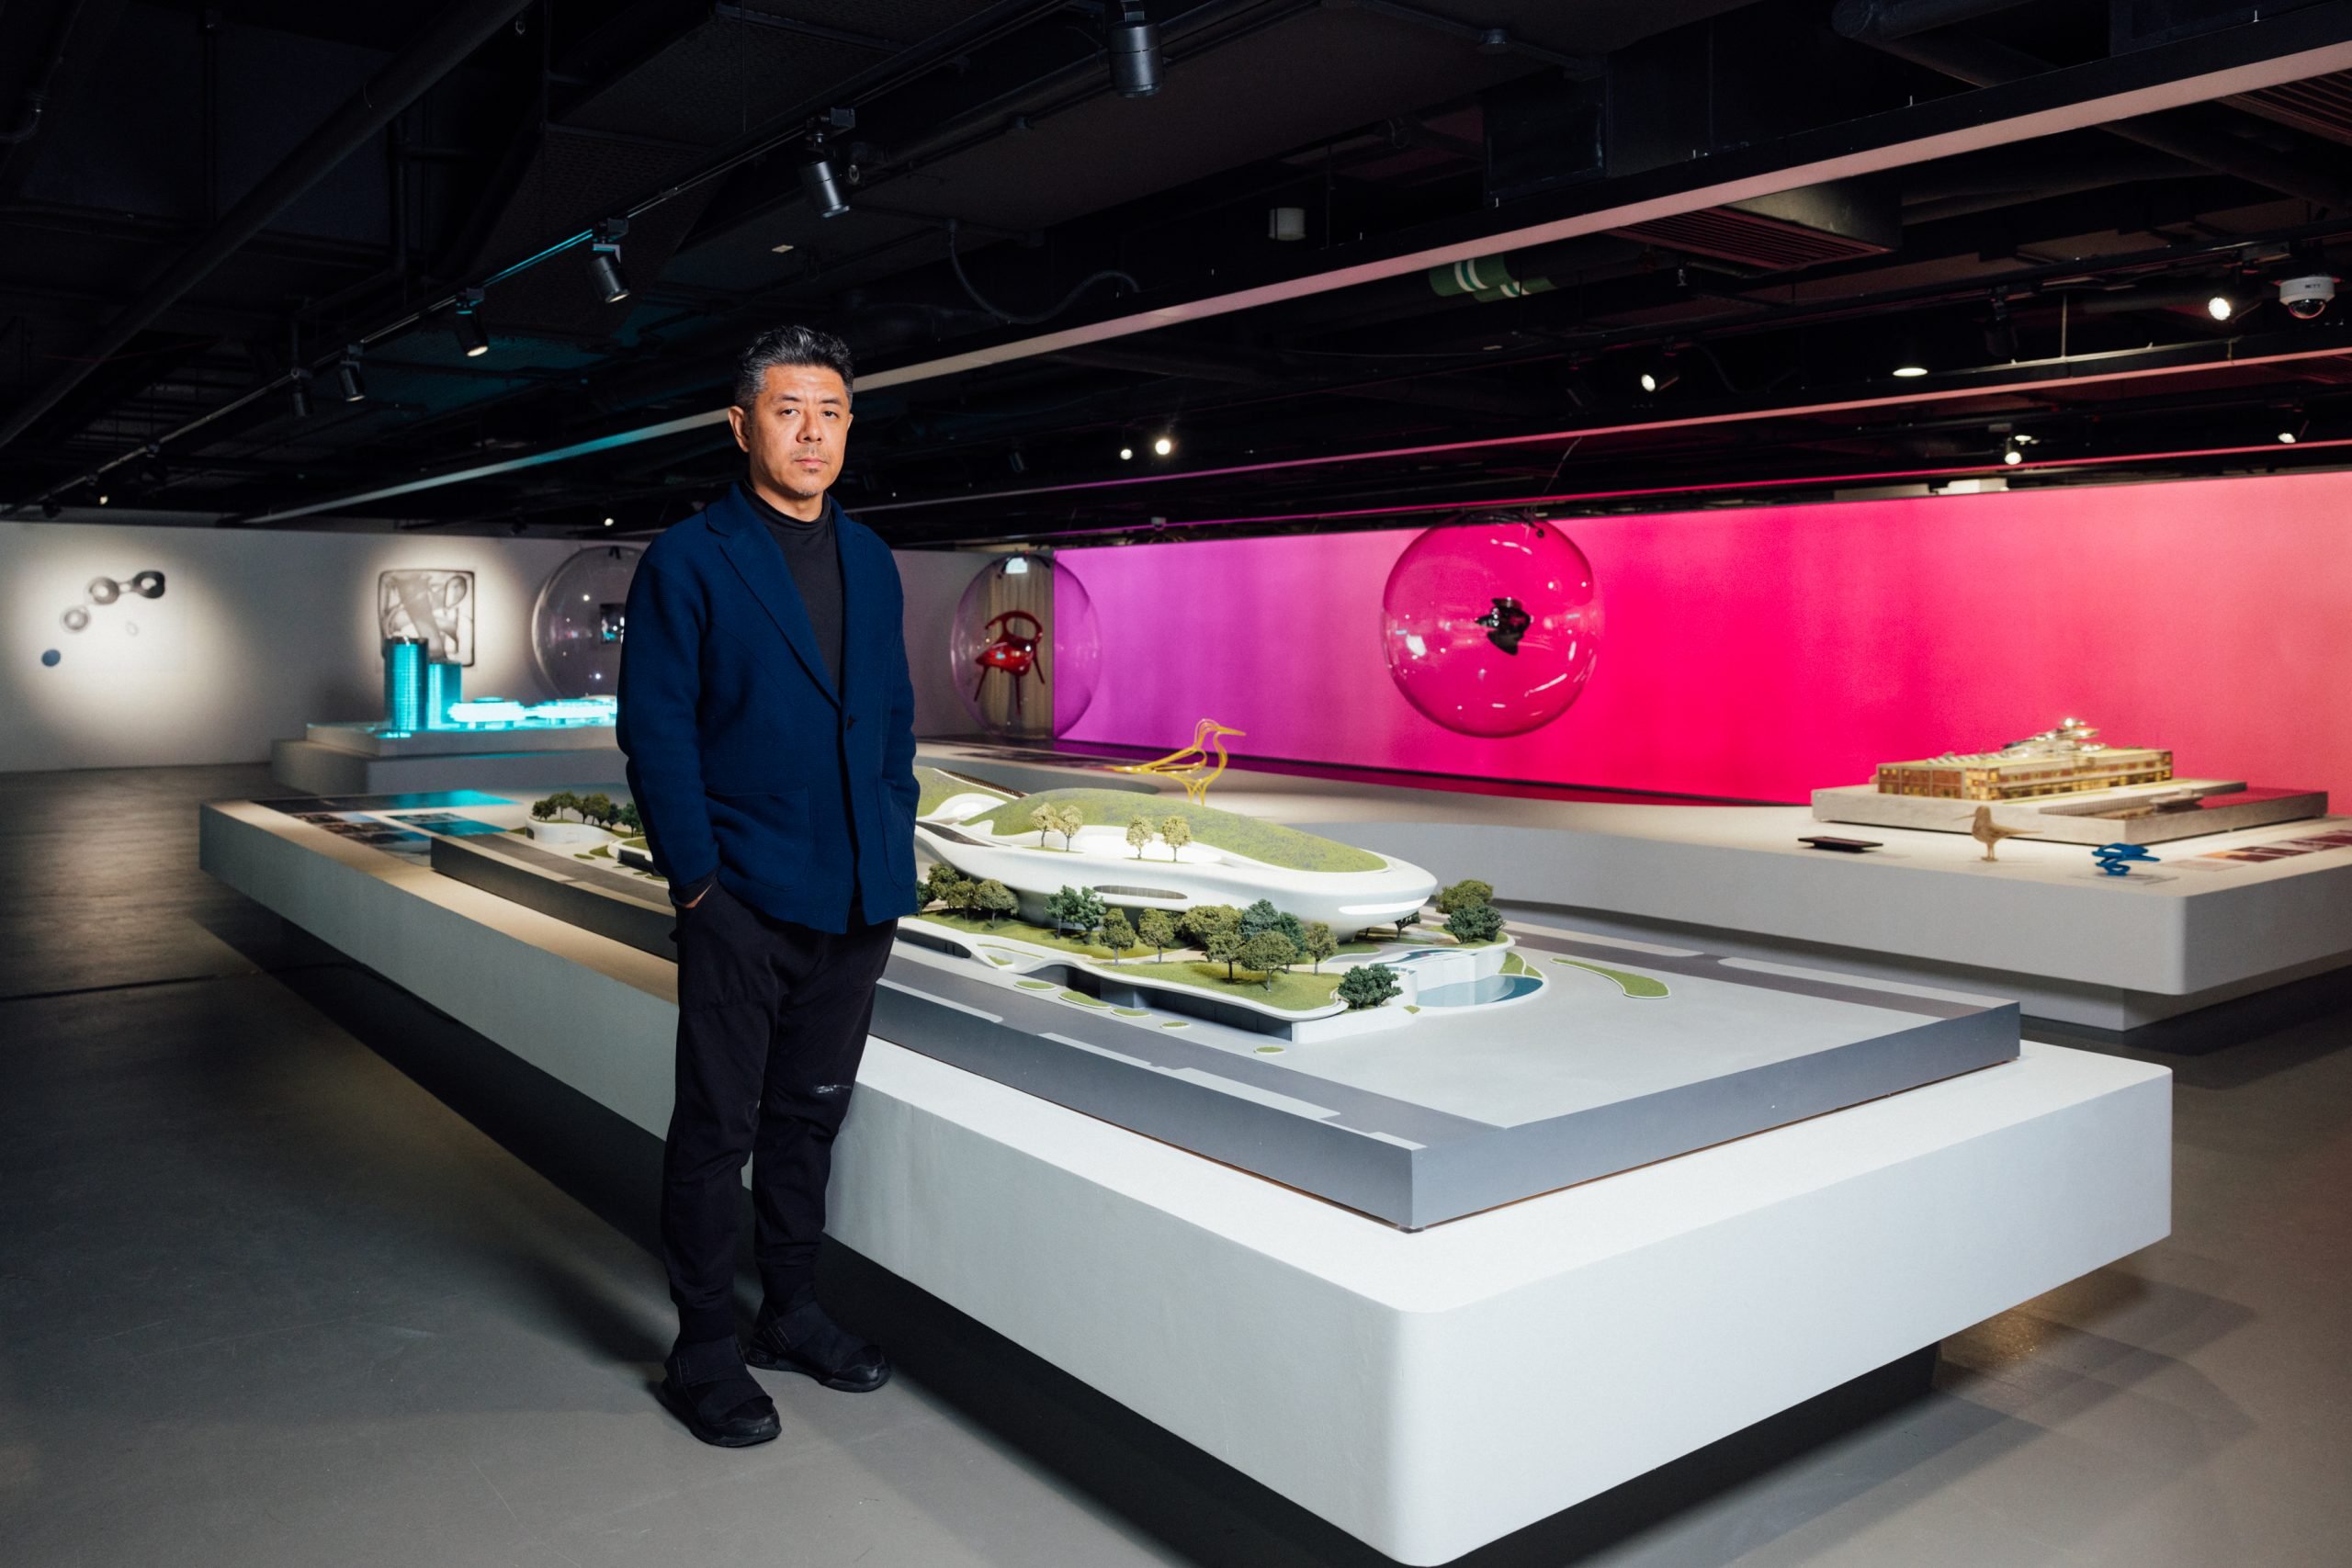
{"points": [[1426, 1392]]}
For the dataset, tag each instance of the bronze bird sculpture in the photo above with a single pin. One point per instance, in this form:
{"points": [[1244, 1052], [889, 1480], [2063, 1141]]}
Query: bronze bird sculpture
{"points": [[1990, 833]]}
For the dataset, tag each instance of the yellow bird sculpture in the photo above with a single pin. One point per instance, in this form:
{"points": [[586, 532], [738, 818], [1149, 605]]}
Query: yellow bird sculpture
{"points": [[1990, 833], [1195, 766]]}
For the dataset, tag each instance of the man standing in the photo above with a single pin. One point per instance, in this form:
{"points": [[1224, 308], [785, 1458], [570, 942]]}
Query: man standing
{"points": [[768, 719]]}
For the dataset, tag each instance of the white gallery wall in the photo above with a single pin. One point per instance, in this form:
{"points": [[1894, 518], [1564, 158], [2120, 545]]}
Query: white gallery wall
{"points": [[934, 581], [257, 633]]}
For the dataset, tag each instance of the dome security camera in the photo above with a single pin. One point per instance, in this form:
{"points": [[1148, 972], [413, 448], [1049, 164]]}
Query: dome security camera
{"points": [[2305, 298]]}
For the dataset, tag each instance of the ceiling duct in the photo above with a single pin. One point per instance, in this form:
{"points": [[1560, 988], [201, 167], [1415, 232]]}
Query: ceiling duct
{"points": [[2321, 106], [1793, 229]]}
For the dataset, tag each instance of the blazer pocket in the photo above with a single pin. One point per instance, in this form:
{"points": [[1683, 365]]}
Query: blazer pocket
{"points": [[777, 817]]}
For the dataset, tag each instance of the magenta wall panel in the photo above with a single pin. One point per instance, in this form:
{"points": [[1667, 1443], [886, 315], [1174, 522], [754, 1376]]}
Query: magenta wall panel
{"points": [[1760, 652]]}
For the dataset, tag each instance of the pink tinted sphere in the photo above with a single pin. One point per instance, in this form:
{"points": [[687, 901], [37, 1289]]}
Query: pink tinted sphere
{"points": [[1491, 627]]}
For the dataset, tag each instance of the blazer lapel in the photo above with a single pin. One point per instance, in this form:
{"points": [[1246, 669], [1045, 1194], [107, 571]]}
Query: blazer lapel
{"points": [[760, 565], [851, 662]]}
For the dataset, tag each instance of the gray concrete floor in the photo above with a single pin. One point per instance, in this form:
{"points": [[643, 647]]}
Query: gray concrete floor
{"points": [[265, 1301]]}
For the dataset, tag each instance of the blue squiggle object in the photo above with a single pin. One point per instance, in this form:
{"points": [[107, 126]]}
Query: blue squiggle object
{"points": [[2116, 859]]}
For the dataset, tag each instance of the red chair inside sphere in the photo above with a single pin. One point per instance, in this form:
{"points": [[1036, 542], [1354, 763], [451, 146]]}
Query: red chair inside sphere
{"points": [[1016, 652]]}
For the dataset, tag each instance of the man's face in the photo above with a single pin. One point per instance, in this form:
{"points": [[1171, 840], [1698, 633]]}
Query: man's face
{"points": [[795, 433]]}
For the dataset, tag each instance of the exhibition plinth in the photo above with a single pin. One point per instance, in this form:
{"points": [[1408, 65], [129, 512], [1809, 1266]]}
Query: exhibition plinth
{"points": [[362, 759], [1336, 1359], [2217, 917], [2143, 814]]}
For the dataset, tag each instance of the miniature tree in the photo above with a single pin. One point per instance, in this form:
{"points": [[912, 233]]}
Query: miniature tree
{"points": [[596, 808], [1223, 945], [1407, 921], [1070, 819], [1463, 894], [994, 901], [1075, 908], [1176, 831], [1320, 944], [1139, 833], [1159, 933], [559, 803], [1270, 953], [1367, 985], [628, 818], [1263, 916], [1117, 935], [1046, 819], [542, 810], [942, 885], [1474, 922], [1204, 920]]}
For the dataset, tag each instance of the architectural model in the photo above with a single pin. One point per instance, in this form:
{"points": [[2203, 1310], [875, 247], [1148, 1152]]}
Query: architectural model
{"points": [[2064, 760], [1415, 1072], [1188, 911]]}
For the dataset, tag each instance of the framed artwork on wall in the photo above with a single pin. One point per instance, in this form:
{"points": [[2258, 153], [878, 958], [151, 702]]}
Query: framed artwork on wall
{"points": [[436, 606]]}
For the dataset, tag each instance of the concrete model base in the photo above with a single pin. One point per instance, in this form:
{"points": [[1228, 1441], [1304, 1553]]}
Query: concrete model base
{"points": [[2094, 817], [315, 769], [1330, 1358]]}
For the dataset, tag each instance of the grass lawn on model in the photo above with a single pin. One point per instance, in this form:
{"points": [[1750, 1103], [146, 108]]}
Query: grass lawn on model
{"points": [[936, 789], [1296, 991], [1037, 936], [1269, 843]]}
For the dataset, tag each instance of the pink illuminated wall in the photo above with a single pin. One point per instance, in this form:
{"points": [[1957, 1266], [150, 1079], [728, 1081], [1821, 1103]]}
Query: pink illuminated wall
{"points": [[1758, 653]]}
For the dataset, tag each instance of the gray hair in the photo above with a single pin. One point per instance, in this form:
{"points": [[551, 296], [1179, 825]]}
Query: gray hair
{"points": [[787, 346]]}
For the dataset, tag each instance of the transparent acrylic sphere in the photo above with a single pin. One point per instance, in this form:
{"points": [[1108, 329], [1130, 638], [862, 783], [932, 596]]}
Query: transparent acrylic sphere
{"points": [[576, 628], [1491, 626], [1026, 650]]}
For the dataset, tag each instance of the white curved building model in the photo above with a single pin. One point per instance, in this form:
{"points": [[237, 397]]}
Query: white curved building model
{"points": [[996, 842]]}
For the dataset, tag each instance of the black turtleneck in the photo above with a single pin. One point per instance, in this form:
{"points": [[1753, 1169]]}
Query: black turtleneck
{"points": [[815, 562]]}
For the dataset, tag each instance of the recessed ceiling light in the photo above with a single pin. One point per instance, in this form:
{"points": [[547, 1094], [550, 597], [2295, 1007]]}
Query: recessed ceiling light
{"points": [[1164, 445], [2220, 307]]}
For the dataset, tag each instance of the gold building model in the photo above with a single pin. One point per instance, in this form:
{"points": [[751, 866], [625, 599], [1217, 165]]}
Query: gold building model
{"points": [[2062, 760]]}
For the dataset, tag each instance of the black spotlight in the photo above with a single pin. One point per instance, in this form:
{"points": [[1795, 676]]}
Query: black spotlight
{"points": [[820, 177], [299, 395], [347, 378], [605, 265], [1134, 45], [473, 342]]}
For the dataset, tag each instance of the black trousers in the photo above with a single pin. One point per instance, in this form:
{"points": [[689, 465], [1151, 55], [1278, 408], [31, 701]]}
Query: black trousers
{"points": [[772, 1020]]}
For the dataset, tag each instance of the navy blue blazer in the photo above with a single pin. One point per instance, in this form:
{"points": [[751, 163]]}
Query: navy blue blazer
{"points": [[742, 756]]}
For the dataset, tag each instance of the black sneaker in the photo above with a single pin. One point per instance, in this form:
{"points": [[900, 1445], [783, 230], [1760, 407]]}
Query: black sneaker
{"points": [[803, 1339], [705, 1385]]}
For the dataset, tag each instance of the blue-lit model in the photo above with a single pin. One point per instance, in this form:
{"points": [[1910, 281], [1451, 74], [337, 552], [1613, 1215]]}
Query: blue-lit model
{"points": [[2116, 859]]}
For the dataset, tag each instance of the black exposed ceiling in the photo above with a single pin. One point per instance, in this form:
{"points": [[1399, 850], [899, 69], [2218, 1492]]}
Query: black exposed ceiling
{"points": [[1509, 210]]}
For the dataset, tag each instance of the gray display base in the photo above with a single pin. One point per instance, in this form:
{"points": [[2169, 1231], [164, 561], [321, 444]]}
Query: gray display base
{"points": [[2074, 819], [369, 741], [314, 769], [1416, 1125]]}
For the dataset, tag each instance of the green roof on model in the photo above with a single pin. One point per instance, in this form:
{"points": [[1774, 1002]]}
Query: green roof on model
{"points": [[938, 788], [1269, 843]]}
